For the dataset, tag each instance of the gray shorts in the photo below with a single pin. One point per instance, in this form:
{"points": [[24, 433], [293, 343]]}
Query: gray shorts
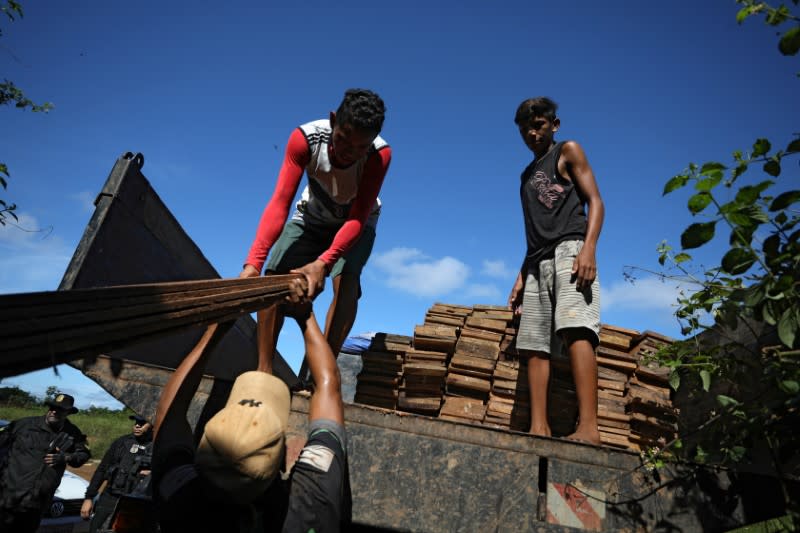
{"points": [[299, 245], [551, 303]]}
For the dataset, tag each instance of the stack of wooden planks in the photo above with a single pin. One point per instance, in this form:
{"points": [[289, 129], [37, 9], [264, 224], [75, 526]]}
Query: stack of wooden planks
{"points": [[471, 370], [615, 365], [381, 370], [462, 365], [653, 418]]}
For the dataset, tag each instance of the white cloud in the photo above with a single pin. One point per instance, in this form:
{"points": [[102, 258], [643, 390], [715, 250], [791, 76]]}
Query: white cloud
{"points": [[485, 294], [86, 200], [409, 270], [497, 269], [643, 294], [31, 259]]}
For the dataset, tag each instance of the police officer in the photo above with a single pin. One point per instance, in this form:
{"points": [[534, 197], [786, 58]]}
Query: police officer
{"points": [[125, 466], [39, 450]]}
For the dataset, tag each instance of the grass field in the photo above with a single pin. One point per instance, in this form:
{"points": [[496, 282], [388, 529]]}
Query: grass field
{"points": [[101, 426]]}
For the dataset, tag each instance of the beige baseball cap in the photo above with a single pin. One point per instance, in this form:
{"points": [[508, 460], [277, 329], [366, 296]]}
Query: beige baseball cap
{"points": [[242, 444]]}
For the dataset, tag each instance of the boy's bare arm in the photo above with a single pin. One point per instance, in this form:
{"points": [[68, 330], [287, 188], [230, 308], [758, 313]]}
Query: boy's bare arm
{"points": [[574, 164], [177, 395]]}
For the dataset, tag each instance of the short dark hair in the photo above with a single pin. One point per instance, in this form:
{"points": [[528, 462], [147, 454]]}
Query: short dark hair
{"points": [[541, 106], [362, 109]]}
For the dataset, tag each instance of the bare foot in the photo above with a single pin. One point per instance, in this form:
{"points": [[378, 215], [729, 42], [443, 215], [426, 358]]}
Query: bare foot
{"points": [[587, 436], [540, 431]]}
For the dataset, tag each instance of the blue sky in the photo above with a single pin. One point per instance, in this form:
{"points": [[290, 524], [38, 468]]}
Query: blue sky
{"points": [[209, 93]]}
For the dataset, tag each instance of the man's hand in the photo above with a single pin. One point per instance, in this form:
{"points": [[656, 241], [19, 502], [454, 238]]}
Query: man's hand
{"points": [[515, 298], [249, 271], [314, 273], [86, 509], [297, 304], [56, 459], [584, 268]]}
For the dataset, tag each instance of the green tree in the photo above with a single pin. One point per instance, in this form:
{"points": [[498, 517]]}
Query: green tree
{"points": [[755, 386], [10, 94]]}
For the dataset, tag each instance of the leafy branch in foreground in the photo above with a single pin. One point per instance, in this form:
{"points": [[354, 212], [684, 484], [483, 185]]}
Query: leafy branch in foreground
{"points": [[10, 94], [740, 366]]}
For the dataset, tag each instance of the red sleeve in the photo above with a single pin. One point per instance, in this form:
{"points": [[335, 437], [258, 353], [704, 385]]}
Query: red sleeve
{"points": [[374, 172], [294, 163]]}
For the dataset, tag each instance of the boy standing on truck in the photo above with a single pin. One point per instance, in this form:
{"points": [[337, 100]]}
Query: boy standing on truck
{"points": [[557, 292], [332, 229]]}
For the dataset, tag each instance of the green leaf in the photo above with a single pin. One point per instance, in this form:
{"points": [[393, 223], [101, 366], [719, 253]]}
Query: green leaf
{"points": [[750, 193], [698, 202], [737, 453], [790, 42], [738, 261], [682, 257], [787, 327], [726, 401], [790, 386], [768, 313], [771, 246], [743, 14], [705, 376], [778, 15], [3, 182], [674, 380], [761, 147], [784, 200], [712, 167], [697, 234], [742, 235], [711, 180], [772, 167], [794, 146], [675, 183], [754, 295], [738, 171]]}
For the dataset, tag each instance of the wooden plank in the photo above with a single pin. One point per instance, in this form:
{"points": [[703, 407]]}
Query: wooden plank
{"points": [[611, 384], [477, 348], [498, 326], [447, 320], [616, 364], [468, 382], [422, 369], [469, 362], [482, 334], [421, 404], [463, 408], [506, 315], [632, 333], [485, 307]]}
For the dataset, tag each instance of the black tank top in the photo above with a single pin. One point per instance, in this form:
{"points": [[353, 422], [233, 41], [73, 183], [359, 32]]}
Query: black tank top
{"points": [[551, 206]]}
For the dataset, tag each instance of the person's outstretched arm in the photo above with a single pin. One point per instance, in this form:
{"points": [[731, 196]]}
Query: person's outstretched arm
{"points": [[171, 423], [326, 401]]}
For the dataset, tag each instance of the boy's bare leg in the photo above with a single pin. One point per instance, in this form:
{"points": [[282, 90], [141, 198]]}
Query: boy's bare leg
{"points": [[584, 372], [342, 311], [270, 321], [538, 379]]}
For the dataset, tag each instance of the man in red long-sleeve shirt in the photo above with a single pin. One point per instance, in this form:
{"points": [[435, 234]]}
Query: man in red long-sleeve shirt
{"points": [[332, 229]]}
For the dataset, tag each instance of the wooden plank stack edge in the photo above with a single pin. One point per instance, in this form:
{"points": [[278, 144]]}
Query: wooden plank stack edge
{"points": [[461, 364]]}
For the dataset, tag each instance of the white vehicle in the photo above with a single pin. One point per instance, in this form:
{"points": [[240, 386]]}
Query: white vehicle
{"points": [[64, 513]]}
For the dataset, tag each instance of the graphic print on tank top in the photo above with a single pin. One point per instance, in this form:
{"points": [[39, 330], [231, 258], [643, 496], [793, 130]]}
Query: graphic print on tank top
{"points": [[550, 192]]}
